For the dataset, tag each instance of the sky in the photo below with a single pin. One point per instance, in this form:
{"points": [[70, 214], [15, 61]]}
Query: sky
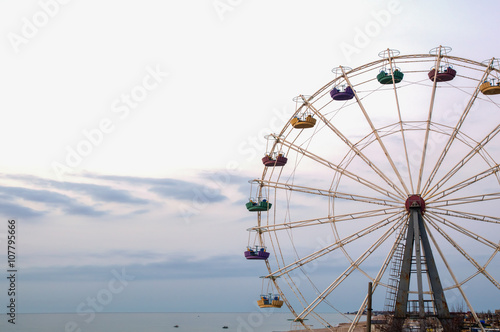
{"points": [[130, 130]]}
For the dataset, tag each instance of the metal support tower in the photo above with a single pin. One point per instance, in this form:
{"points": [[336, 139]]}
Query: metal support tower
{"points": [[418, 242]]}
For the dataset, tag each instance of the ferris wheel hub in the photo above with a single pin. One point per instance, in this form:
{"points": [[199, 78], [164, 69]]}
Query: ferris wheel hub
{"points": [[414, 201]]}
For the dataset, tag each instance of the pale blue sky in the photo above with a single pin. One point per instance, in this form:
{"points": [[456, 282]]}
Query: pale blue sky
{"points": [[130, 129]]}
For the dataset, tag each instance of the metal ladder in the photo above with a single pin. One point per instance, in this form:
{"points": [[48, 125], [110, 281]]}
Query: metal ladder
{"points": [[393, 282]]}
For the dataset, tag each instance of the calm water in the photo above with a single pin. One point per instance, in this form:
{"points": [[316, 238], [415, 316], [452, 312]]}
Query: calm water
{"points": [[156, 322]]}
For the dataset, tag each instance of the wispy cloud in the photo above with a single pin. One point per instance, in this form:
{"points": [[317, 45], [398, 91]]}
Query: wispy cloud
{"points": [[15, 210], [167, 187], [172, 266], [105, 193], [50, 198], [96, 195], [101, 193]]}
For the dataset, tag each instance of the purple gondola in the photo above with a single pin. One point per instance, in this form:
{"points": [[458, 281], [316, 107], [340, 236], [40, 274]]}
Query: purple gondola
{"points": [[259, 254], [347, 94]]}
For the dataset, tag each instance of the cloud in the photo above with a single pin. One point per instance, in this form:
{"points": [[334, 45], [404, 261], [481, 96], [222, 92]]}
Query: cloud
{"points": [[81, 197], [189, 191], [100, 193], [84, 210], [176, 266], [225, 178], [140, 211], [186, 267], [43, 196], [170, 188], [54, 199], [105, 193], [14, 210]]}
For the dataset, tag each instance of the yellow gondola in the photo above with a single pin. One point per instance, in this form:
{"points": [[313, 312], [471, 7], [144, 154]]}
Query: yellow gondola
{"points": [[488, 89], [303, 115], [270, 301], [308, 122]]}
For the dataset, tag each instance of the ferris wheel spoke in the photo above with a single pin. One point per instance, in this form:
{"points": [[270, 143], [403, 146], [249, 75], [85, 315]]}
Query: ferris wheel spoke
{"points": [[338, 244], [466, 215], [353, 266], [379, 139], [468, 233], [330, 193], [480, 269], [403, 138], [455, 132], [472, 276], [339, 169], [428, 129], [452, 274], [355, 149], [464, 200], [325, 220], [493, 170], [474, 150]]}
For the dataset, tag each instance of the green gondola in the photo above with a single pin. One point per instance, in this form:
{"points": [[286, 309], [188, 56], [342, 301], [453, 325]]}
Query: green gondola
{"points": [[263, 205], [386, 78]]}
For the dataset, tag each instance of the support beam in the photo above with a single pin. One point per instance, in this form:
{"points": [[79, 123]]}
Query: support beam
{"points": [[369, 309], [443, 313], [404, 276], [417, 238]]}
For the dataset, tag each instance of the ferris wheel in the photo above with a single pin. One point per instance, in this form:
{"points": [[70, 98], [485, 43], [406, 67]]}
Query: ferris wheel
{"points": [[388, 174]]}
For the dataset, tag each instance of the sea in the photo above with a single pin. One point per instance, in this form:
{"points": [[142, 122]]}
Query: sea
{"points": [[160, 322]]}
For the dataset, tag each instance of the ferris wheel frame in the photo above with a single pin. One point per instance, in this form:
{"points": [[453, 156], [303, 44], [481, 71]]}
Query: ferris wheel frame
{"points": [[426, 190]]}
